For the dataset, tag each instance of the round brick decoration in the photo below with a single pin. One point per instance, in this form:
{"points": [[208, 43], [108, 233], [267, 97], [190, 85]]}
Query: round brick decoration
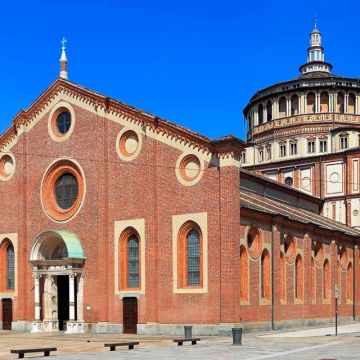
{"points": [[54, 172], [61, 121], [7, 166], [128, 144]]}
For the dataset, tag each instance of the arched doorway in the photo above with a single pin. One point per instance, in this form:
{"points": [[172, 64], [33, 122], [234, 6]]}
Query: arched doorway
{"points": [[58, 260]]}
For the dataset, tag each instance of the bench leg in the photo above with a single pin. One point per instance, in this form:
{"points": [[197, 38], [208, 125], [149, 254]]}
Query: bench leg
{"points": [[46, 353], [180, 343], [112, 348], [21, 356], [193, 342], [131, 347]]}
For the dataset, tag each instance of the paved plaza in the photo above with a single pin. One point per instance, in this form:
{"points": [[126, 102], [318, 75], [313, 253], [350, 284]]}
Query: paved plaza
{"points": [[309, 344]]}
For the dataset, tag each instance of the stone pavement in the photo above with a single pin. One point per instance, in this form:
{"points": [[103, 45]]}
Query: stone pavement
{"points": [[255, 346]]}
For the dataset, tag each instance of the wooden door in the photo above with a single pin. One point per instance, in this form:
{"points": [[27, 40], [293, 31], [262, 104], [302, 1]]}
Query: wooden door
{"points": [[7, 313], [130, 315]]}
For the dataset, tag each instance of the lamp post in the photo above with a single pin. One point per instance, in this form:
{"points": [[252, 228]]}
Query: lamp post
{"points": [[336, 308]]}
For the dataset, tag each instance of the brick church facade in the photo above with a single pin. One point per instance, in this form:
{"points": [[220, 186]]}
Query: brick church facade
{"points": [[114, 220]]}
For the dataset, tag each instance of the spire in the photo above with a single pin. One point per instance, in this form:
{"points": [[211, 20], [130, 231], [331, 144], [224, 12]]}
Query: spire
{"points": [[315, 54], [63, 60]]}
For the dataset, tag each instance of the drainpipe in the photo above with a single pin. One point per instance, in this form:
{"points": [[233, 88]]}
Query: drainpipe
{"points": [[272, 275]]}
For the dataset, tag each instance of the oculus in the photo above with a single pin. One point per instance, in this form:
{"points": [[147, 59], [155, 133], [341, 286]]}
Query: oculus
{"points": [[7, 166]]}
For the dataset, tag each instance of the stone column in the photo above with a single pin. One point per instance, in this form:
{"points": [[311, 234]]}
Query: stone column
{"points": [[346, 102], [80, 296], [37, 296], [72, 297]]}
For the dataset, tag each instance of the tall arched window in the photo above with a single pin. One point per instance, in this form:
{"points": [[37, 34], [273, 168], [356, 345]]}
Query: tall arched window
{"points": [[193, 258], [324, 102], [265, 275], [351, 104], [244, 287], [349, 283], [340, 102], [282, 107], [299, 278], [129, 260], [190, 256], [326, 280], [294, 105], [282, 277], [133, 262], [310, 103], [10, 268], [269, 111], [260, 114], [7, 266]]}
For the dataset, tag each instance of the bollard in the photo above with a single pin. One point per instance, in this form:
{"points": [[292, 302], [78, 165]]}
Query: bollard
{"points": [[188, 332], [237, 335]]}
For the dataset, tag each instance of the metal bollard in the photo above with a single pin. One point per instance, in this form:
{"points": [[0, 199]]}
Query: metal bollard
{"points": [[188, 332], [237, 335]]}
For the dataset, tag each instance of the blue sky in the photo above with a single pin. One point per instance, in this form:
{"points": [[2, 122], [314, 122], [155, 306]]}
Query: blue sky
{"points": [[196, 63]]}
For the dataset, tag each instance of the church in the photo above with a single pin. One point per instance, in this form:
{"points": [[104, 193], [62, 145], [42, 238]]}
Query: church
{"points": [[114, 220]]}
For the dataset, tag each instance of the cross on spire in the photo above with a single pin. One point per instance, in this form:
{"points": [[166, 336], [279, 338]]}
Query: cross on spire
{"points": [[63, 60], [63, 42], [315, 21]]}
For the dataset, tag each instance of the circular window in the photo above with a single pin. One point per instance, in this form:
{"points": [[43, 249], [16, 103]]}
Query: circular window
{"points": [[7, 166], [63, 190], [289, 181], [356, 212], [318, 253], [290, 249], [254, 242], [66, 190], [63, 122]]}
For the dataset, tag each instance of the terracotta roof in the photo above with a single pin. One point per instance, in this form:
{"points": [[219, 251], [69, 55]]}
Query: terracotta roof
{"points": [[275, 207]]}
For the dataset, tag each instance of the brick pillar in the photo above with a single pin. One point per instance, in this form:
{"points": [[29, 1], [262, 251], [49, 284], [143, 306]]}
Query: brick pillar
{"points": [[333, 269], [229, 203], [308, 270], [276, 266]]}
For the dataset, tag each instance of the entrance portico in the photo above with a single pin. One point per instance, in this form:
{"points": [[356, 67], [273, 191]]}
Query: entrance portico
{"points": [[58, 260]]}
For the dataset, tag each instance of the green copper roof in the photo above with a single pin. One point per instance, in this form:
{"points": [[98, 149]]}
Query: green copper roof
{"points": [[72, 242]]}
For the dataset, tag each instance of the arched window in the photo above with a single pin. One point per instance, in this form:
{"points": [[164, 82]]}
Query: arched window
{"points": [[310, 103], [282, 277], [133, 262], [326, 280], [260, 114], [294, 105], [282, 107], [7, 266], [190, 255], [269, 111], [340, 102], [324, 102], [244, 286], [129, 260], [349, 283], [193, 258], [265, 275], [299, 279], [351, 104]]}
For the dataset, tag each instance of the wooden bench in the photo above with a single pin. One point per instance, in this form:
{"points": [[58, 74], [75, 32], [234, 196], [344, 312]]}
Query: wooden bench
{"points": [[181, 341], [21, 352], [130, 344]]}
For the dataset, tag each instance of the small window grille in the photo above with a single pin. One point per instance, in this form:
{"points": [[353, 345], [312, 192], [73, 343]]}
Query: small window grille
{"points": [[133, 262], [193, 258], [10, 268]]}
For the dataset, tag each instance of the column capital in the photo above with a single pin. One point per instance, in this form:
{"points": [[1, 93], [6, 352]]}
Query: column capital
{"points": [[36, 276]]}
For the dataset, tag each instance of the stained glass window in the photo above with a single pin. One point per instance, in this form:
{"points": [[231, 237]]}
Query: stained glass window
{"points": [[10, 268], [133, 262], [193, 258], [63, 122], [66, 191]]}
